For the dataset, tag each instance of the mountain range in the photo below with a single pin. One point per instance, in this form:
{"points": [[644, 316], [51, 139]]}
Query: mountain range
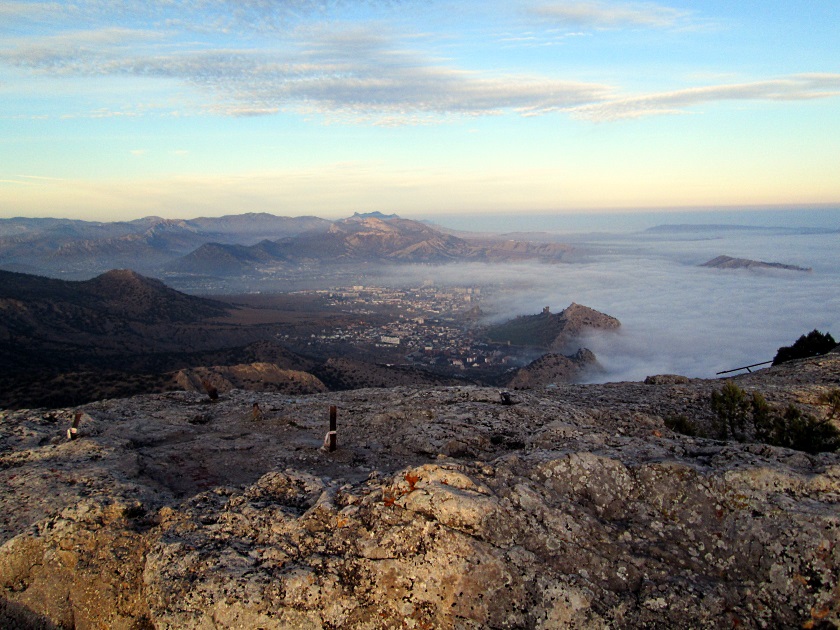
{"points": [[242, 244], [81, 249]]}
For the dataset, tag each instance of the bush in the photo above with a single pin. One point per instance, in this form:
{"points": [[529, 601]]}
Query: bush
{"points": [[813, 344], [681, 424], [732, 411], [743, 418], [805, 433]]}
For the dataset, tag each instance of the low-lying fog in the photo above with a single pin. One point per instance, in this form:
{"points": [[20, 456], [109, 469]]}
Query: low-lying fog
{"points": [[678, 317]]}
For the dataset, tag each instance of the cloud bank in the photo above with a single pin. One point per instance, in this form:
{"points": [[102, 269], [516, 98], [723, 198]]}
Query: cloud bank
{"points": [[793, 88], [677, 317]]}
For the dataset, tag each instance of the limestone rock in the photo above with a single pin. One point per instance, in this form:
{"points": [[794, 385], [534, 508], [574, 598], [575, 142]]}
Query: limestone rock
{"points": [[259, 376], [441, 508], [554, 332], [554, 368]]}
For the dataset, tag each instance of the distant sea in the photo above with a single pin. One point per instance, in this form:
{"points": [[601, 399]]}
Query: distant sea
{"points": [[635, 221]]}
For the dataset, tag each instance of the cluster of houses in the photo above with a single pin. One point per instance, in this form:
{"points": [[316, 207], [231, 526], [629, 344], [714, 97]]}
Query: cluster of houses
{"points": [[429, 328]]}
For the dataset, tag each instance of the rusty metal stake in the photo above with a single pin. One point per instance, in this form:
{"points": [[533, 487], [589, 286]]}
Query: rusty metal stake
{"points": [[73, 431]]}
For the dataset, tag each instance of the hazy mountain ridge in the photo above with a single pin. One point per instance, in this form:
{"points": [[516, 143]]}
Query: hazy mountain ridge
{"points": [[62, 246], [365, 239], [241, 244]]}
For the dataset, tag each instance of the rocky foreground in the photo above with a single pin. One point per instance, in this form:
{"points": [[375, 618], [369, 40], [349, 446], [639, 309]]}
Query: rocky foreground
{"points": [[441, 508]]}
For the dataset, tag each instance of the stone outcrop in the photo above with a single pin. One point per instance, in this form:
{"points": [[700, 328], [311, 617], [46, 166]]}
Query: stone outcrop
{"points": [[554, 368], [728, 262], [553, 332], [261, 376], [442, 508]]}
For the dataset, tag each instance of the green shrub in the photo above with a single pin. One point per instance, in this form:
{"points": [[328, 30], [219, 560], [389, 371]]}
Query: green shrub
{"points": [[832, 400], [804, 432], [813, 344], [745, 418], [681, 424], [732, 411]]}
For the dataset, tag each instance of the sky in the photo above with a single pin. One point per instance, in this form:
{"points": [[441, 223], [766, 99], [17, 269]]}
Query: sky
{"points": [[117, 110]]}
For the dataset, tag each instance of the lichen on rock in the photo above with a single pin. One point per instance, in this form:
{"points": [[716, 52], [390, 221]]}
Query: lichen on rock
{"points": [[575, 507]]}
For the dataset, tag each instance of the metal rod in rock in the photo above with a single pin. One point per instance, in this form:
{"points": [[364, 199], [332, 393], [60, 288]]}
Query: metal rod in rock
{"points": [[333, 415], [73, 431]]}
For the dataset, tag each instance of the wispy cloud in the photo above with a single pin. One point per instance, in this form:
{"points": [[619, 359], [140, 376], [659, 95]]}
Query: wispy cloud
{"points": [[357, 72], [43, 177], [603, 15], [200, 16], [350, 73], [27, 180], [75, 52], [793, 88]]}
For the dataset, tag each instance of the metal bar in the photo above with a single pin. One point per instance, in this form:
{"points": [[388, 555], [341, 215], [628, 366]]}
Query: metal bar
{"points": [[746, 367]]}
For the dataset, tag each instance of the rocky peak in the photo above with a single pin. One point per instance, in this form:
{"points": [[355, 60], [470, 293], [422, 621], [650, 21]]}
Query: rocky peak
{"points": [[554, 332], [574, 506]]}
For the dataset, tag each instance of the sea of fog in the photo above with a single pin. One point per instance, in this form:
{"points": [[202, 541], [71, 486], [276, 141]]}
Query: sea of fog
{"points": [[677, 316]]}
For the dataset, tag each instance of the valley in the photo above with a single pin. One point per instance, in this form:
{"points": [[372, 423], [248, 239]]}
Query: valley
{"points": [[122, 334]]}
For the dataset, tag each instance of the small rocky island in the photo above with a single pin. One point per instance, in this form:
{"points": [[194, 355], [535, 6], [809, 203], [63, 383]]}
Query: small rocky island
{"points": [[442, 507], [728, 262]]}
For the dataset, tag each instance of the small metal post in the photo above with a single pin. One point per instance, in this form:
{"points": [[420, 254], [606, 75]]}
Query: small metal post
{"points": [[333, 414], [73, 431]]}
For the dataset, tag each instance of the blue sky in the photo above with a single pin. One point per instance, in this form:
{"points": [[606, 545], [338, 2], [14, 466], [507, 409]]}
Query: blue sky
{"points": [[113, 110]]}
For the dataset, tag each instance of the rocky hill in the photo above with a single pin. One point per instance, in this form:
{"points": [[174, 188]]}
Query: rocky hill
{"points": [[554, 368], [550, 331], [66, 342], [260, 377], [441, 508], [62, 324], [118, 294]]}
